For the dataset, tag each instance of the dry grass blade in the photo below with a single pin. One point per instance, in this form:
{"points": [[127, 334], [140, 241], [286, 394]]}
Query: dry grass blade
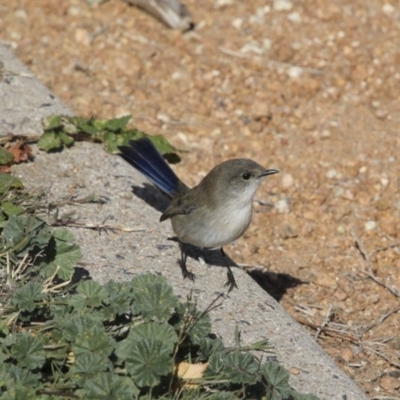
{"points": [[49, 286]]}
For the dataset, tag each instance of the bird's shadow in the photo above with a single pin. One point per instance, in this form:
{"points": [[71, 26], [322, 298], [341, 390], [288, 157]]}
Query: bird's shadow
{"points": [[152, 196], [275, 284]]}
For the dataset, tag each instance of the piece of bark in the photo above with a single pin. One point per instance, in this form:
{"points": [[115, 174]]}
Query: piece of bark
{"points": [[172, 12]]}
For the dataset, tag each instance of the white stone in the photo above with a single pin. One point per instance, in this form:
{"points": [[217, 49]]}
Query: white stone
{"points": [[388, 9], [332, 173], [370, 225], [384, 181], [325, 134], [282, 5], [295, 72], [294, 17], [222, 3], [237, 23], [287, 181], [282, 206]]}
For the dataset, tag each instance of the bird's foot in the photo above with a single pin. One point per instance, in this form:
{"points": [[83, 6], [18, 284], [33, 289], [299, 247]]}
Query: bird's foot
{"points": [[186, 273], [231, 281]]}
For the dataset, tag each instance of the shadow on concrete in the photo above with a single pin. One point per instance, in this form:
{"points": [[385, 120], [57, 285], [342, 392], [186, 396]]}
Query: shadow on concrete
{"points": [[275, 284], [152, 196]]}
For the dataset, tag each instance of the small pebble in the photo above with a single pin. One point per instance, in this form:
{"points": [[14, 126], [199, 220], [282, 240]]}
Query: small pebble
{"points": [[370, 225], [237, 23], [332, 173], [295, 72], [294, 17], [222, 3], [388, 9], [325, 134], [282, 206], [384, 181], [282, 5], [287, 181]]}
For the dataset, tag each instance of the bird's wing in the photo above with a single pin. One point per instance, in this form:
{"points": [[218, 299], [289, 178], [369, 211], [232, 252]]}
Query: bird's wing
{"points": [[178, 206]]}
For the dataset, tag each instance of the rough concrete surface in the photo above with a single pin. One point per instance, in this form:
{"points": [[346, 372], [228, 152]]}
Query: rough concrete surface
{"points": [[85, 169]]}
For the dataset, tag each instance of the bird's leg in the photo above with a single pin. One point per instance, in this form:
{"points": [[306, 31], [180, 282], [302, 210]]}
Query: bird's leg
{"points": [[185, 272], [231, 279]]}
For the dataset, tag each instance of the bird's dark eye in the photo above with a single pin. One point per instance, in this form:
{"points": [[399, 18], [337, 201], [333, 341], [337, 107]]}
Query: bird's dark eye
{"points": [[246, 176]]}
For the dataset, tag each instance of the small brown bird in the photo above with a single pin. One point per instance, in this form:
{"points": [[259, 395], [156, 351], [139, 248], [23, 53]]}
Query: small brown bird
{"points": [[215, 212]]}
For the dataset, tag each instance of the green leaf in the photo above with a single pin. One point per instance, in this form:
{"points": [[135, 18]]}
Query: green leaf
{"points": [[11, 209], [23, 376], [5, 156], [24, 232], [147, 360], [117, 124], [106, 386], [50, 141], [20, 393], [89, 294], [26, 296], [62, 253], [28, 351], [88, 365], [4, 329], [8, 182], [94, 340], [52, 123], [114, 139], [5, 377], [85, 125], [208, 347], [162, 144], [277, 377], [119, 299], [66, 139], [79, 323], [9, 340], [154, 331], [240, 367], [150, 330], [153, 297]]}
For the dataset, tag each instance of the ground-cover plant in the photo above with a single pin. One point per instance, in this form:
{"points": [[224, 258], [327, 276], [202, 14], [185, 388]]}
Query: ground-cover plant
{"points": [[123, 340]]}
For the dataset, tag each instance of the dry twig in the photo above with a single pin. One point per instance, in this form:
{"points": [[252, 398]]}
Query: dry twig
{"points": [[328, 331], [380, 320], [367, 258], [386, 358], [328, 317], [96, 227]]}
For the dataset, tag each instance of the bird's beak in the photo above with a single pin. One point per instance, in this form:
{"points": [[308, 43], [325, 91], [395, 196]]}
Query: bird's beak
{"points": [[268, 172]]}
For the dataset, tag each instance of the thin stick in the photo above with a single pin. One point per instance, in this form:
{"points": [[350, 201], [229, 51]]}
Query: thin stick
{"points": [[325, 323], [99, 227], [328, 331], [367, 258], [380, 320]]}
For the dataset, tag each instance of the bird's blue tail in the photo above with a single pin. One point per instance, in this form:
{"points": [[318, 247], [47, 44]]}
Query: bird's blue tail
{"points": [[143, 155]]}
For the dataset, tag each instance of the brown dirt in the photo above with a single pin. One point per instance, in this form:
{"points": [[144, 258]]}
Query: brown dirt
{"points": [[313, 90]]}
